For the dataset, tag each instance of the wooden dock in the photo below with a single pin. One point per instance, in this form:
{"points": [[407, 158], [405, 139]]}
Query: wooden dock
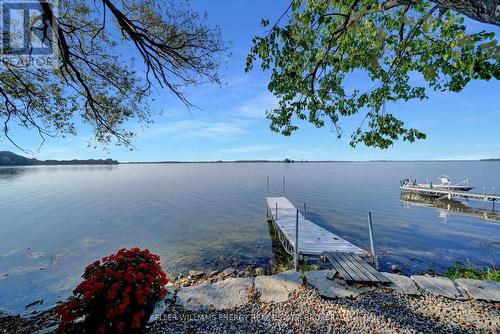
{"points": [[313, 239], [449, 194]]}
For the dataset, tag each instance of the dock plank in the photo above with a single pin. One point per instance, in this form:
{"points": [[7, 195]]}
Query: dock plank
{"points": [[368, 269], [352, 268], [361, 275], [364, 267], [338, 266]]}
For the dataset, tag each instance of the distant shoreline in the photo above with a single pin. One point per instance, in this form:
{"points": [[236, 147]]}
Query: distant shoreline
{"points": [[11, 159], [296, 162]]}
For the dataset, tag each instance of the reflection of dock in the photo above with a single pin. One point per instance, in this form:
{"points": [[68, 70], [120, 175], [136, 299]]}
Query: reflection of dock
{"points": [[449, 205], [446, 193]]}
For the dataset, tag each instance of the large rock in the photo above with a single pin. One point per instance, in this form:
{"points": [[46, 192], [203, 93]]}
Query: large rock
{"points": [[226, 294], [276, 288], [158, 311], [330, 288], [260, 271], [402, 284], [228, 272], [196, 273], [483, 290], [442, 286]]}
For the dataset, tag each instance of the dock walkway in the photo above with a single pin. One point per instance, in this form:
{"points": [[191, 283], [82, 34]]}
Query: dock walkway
{"points": [[313, 239], [445, 193]]}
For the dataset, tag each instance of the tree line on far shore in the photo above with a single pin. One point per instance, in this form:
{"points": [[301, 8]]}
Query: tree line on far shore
{"points": [[12, 159]]}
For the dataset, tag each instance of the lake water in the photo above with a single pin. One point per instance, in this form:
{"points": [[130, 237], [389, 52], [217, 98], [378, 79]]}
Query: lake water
{"points": [[55, 220]]}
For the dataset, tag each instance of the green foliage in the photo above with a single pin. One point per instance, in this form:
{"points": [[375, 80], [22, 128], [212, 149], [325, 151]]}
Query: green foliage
{"points": [[287, 264], [404, 48], [468, 271], [11, 159]]}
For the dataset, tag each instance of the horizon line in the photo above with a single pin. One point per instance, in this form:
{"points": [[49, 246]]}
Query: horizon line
{"points": [[303, 161]]}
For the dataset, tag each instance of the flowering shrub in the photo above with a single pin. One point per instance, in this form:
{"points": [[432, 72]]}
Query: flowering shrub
{"points": [[117, 295]]}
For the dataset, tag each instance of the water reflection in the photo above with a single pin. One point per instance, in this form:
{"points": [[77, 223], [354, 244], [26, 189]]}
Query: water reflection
{"points": [[446, 206], [8, 173]]}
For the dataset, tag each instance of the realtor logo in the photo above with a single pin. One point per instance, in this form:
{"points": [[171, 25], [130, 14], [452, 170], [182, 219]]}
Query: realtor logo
{"points": [[28, 35]]}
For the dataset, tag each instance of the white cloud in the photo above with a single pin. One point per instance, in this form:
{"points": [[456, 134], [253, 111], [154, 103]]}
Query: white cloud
{"points": [[256, 107], [196, 128]]}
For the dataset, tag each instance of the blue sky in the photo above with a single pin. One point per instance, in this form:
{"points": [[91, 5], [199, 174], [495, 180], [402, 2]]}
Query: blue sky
{"points": [[230, 123]]}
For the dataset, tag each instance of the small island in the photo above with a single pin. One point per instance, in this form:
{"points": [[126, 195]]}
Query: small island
{"points": [[11, 159]]}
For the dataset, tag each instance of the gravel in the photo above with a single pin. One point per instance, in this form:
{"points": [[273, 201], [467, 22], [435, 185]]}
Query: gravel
{"points": [[10, 324], [378, 311]]}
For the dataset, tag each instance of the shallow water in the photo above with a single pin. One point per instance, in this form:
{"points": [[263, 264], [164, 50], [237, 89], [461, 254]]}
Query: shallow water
{"points": [[54, 220]]}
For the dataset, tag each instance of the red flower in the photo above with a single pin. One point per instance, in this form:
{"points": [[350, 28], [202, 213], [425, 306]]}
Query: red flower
{"points": [[120, 326], [111, 295], [140, 297], [111, 314], [136, 319], [121, 283]]}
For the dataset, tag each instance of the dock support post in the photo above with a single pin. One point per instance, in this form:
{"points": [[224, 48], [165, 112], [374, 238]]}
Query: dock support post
{"points": [[305, 211], [372, 245], [276, 215], [493, 199], [296, 256]]}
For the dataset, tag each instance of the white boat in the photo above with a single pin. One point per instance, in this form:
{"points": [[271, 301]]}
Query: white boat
{"points": [[445, 184]]}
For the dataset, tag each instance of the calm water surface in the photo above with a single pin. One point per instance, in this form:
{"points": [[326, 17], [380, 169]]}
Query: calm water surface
{"points": [[55, 220]]}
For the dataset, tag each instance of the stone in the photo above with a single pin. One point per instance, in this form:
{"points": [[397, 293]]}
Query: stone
{"points": [[260, 271], [276, 288], [159, 309], [330, 288], [226, 294], [395, 269], [196, 273], [482, 290], [47, 330], [228, 272], [402, 284], [441, 286], [213, 273]]}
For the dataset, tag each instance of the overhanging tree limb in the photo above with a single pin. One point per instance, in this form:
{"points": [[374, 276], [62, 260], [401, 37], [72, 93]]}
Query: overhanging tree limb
{"points": [[314, 53], [95, 80]]}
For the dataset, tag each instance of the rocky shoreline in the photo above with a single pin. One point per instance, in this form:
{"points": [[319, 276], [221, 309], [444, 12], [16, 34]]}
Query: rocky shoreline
{"points": [[250, 300]]}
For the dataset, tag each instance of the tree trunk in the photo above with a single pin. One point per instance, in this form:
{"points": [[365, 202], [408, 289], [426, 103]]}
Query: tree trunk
{"points": [[487, 11]]}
